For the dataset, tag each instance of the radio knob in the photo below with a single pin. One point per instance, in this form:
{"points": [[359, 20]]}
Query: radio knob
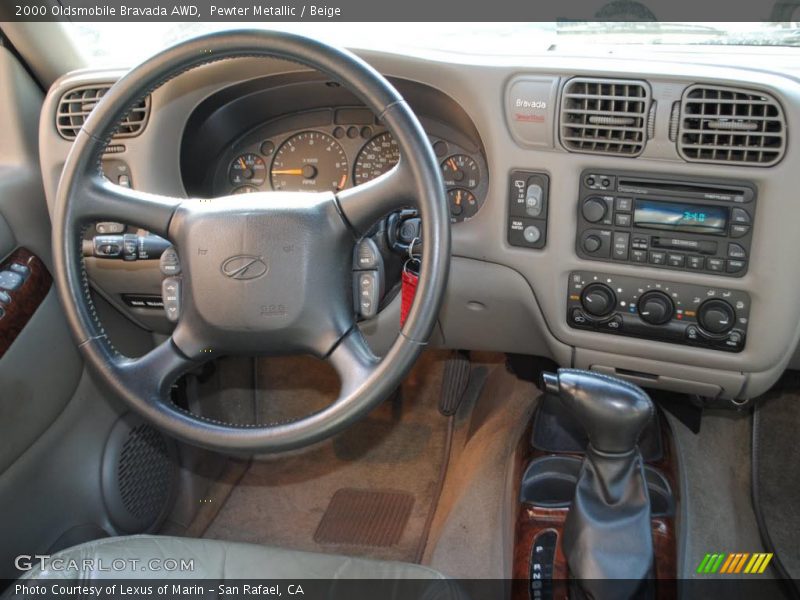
{"points": [[592, 244], [716, 316], [594, 209], [656, 308], [598, 299]]}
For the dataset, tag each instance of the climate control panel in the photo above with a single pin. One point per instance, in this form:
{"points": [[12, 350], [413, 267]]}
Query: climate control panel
{"points": [[678, 313]]}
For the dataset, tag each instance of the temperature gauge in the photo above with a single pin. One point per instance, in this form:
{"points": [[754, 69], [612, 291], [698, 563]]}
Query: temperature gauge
{"points": [[463, 204]]}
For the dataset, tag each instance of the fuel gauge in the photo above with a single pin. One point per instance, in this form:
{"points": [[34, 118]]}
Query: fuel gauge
{"points": [[460, 170], [463, 204]]}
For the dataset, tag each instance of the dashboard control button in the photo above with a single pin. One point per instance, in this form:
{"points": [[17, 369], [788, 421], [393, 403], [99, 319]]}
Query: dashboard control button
{"points": [[658, 258], [592, 244], [716, 316], [578, 318], [735, 266], [368, 288], [532, 234], [695, 263], [655, 308], [692, 333], [738, 231], [740, 216], [620, 245], [533, 200], [598, 299], [623, 204], [736, 251], [715, 264], [5, 297], [613, 324], [639, 256], [622, 220], [594, 210], [676, 260]]}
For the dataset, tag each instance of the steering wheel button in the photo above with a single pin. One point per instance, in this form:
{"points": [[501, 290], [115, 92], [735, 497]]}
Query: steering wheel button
{"points": [[171, 296], [169, 262]]}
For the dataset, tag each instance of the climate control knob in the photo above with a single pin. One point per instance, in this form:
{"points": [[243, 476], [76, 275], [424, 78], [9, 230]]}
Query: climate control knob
{"points": [[594, 209], [656, 308], [716, 316], [598, 299]]}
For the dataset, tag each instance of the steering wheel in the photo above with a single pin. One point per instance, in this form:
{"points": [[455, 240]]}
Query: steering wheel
{"points": [[298, 300]]}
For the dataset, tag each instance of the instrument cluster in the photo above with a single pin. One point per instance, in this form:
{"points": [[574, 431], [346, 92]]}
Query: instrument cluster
{"points": [[337, 155]]}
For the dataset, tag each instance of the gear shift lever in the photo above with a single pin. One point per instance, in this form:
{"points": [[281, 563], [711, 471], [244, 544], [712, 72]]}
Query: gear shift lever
{"points": [[607, 535]]}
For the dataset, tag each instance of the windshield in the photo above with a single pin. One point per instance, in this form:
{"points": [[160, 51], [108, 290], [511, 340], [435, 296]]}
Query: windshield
{"points": [[127, 43]]}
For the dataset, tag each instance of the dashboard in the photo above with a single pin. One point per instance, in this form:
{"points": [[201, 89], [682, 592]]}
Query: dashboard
{"points": [[633, 214]]}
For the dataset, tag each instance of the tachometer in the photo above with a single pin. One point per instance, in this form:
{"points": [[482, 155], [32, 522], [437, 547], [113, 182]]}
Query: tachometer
{"points": [[310, 160], [377, 157], [248, 169]]}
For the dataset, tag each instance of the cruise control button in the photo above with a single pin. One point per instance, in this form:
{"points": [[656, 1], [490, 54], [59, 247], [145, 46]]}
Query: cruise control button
{"points": [[715, 264], [676, 260], [658, 258]]}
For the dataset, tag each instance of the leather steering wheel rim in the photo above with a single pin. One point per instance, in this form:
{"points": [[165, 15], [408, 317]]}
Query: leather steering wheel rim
{"points": [[336, 221]]}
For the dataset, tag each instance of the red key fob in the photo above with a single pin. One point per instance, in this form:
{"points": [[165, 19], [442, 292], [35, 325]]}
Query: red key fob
{"points": [[407, 290]]}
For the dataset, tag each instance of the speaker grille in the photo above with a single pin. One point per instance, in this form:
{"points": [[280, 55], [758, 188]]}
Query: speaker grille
{"points": [[144, 472]]}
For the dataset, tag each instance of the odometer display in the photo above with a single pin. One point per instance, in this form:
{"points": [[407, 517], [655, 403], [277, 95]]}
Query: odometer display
{"points": [[377, 157], [311, 161]]}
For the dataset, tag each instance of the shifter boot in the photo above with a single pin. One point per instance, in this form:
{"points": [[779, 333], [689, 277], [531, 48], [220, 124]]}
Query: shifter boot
{"points": [[608, 540]]}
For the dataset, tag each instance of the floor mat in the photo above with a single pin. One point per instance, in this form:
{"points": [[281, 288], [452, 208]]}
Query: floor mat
{"points": [[777, 477], [365, 518], [400, 447]]}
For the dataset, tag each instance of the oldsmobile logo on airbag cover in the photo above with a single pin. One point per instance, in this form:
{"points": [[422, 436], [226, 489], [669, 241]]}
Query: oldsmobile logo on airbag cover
{"points": [[244, 267]]}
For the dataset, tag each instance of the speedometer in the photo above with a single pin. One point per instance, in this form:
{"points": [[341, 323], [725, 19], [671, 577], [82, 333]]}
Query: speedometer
{"points": [[377, 157], [310, 160]]}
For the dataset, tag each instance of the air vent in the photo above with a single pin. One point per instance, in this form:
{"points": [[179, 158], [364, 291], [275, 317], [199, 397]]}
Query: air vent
{"points": [[76, 104], [731, 125], [605, 116]]}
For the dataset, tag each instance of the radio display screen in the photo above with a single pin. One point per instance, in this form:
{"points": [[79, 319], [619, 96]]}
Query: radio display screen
{"points": [[678, 216]]}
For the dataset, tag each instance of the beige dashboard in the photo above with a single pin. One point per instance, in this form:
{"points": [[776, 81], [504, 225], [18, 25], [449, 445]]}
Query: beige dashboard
{"points": [[513, 298]]}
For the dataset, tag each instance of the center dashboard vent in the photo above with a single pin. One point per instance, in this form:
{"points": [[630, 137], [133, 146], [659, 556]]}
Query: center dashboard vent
{"points": [[76, 104], [730, 125], [605, 116]]}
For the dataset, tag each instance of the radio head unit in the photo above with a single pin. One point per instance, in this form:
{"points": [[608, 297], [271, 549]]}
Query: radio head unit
{"points": [[671, 223]]}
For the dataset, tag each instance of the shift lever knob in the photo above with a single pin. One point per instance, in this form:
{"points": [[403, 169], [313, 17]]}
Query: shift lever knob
{"points": [[613, 412]]}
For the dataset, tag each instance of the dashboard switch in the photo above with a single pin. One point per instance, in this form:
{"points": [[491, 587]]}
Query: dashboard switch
{"points": [[533, 200]]}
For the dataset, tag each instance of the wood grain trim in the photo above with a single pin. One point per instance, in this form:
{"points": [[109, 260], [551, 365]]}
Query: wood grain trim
{"points": [[25, 299]]}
